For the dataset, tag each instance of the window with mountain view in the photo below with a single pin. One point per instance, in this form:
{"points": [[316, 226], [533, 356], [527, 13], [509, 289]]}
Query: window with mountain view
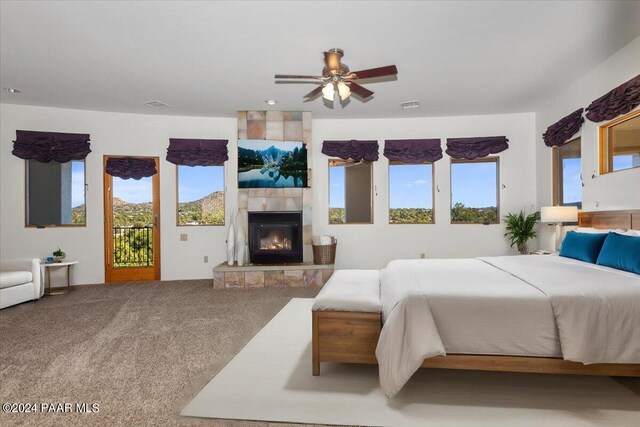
{"points": [[200, 195], [410, 193], [474, 191], [567, 171]]}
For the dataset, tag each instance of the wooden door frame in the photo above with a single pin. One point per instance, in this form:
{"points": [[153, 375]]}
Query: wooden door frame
{"points": [[131, 273]]}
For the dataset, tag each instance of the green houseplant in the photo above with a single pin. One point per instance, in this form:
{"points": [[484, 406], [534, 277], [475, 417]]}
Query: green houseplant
{"points": [[59, 255], [520, 228]]}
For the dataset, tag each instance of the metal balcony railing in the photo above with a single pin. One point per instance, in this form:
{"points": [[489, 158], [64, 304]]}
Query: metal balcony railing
{"points": [[133, 246]]}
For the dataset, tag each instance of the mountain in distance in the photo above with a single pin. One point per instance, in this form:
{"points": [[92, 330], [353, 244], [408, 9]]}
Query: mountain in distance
{"points": [[207, 210]]}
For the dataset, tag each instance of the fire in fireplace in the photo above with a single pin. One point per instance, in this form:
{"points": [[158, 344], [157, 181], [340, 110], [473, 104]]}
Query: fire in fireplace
{"points": [[275, 237]]}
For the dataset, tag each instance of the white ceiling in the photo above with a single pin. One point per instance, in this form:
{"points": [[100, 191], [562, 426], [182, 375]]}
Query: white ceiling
{"points": [[214, 58]]}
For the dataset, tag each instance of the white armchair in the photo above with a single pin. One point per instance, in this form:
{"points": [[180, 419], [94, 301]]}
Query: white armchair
{"points": [[20, 281]]}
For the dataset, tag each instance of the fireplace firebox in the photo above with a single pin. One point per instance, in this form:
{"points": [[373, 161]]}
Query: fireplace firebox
{"points": [[275, 237]]}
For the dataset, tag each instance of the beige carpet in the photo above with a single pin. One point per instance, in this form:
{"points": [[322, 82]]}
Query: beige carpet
{"points": [[270, 379], [140, 350]]}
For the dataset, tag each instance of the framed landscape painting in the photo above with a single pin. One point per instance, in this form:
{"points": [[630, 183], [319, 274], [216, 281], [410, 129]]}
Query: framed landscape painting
{"points": [[263, 164]]}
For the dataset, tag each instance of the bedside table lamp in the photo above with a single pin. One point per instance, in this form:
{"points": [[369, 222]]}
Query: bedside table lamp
{"points": [[557, 215]]}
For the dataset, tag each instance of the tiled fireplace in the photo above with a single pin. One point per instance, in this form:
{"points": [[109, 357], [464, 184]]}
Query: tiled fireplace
{"points": [[275, 126]]}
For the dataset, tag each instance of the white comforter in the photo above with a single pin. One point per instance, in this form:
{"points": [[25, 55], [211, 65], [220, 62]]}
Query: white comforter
{"points": [[596, 309]]}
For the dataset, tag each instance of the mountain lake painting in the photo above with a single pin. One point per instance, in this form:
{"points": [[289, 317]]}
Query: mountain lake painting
{"points": [[263, 164]]}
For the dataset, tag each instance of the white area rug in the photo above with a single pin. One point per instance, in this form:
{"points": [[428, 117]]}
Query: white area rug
{"points": [[270, 380]]}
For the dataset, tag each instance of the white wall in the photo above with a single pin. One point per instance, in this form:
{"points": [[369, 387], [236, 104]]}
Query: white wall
{"points": [[373, 246], [619, 190], [369, 246], [116, 134]]}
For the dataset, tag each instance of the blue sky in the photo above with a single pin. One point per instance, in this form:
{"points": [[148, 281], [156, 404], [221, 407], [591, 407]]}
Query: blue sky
{"points": [[473, 184], [410, 186], [571, 183], [77, 183], [133, 191], [260, 144], [336, 191], [622, 162], [198, 181]]}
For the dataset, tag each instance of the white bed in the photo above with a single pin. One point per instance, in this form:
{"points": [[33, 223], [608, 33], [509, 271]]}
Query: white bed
{"points": [[546, 306]]}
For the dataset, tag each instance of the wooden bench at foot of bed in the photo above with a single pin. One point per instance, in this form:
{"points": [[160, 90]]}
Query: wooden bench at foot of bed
{"points": [[351, 337]]}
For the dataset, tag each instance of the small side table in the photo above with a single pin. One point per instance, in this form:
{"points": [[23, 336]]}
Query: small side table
{"points": [[48, 266]]}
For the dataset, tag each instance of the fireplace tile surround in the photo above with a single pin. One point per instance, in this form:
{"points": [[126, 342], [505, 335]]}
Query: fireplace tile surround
{"points": [[276, 126]]}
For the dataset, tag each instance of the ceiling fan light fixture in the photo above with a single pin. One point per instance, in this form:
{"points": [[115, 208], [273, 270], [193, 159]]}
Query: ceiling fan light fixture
{"points": [[328, 92], [343, 91]]}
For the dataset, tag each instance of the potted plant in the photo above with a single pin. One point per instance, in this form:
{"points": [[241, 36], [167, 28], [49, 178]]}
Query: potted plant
{"points": [[59, 255], [520, 228]]}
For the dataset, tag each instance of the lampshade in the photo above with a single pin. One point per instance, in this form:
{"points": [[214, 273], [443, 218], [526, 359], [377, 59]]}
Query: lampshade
{"points": [[559, 214], [343, 90], [328, 91]]}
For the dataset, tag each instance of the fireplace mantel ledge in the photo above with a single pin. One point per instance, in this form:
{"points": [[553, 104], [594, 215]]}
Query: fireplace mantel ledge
{"points": [[226, 268]]}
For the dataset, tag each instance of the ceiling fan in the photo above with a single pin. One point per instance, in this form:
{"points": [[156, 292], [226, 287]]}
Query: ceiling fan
{"points": [[336, 77]]}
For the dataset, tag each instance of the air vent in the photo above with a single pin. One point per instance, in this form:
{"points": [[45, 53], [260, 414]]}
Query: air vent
{"points": [[156, 104], [410, 104]]}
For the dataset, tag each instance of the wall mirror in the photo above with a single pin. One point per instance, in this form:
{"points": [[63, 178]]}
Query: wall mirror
{"points": [[620, 143], [350, 192], [55, 193]]}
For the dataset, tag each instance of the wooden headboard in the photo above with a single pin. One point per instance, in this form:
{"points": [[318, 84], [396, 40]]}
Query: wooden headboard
{"points": [[629, 219]]}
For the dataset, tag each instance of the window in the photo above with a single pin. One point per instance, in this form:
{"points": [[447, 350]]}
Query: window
{"points": [[474, 191], [350, 192], [55, 193], [200, 195], [410, 193], [620, 144], [567, 174]]}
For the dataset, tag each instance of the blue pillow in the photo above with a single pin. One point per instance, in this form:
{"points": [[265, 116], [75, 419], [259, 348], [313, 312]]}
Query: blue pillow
{"points": [[583, 246], [621, 252]]}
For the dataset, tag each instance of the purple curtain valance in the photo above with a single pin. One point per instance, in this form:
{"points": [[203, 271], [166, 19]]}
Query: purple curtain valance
{"points": [[47, 146], [472, 148], [197, 152], [131, 167], [413, 150], [560, 132], [618, 101], [355, 150]]}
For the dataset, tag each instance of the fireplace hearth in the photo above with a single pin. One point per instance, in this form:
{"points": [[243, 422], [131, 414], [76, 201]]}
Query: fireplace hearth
{"points": [[275, 237]]}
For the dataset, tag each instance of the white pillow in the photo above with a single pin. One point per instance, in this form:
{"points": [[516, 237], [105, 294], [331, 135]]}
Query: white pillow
{"points": [[632, 233], [592, 230]]}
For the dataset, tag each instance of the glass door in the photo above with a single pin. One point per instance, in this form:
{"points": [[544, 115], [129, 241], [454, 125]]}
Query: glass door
{"points": [[132, 227]]}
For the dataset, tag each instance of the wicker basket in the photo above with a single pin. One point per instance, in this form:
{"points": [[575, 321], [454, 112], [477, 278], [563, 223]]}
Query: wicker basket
{"points": [[324, 254]]}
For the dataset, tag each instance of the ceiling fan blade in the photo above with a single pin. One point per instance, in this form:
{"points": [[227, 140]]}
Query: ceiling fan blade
{"points": [[317, 91], [359, 90], [333, 60], [389, 70], [297, 76]]}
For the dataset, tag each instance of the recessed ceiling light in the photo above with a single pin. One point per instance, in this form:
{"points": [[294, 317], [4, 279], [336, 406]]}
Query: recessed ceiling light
{"points": [[11, 90], [271, 101], [157, 105], [410, 104]]}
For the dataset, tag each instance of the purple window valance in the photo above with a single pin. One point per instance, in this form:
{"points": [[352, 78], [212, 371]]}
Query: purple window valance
{"points": [[197, 152], [413, 150], [560, 132], [47, 146], [472, 148], [355, 150], [618, 101], [131, 167]]}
